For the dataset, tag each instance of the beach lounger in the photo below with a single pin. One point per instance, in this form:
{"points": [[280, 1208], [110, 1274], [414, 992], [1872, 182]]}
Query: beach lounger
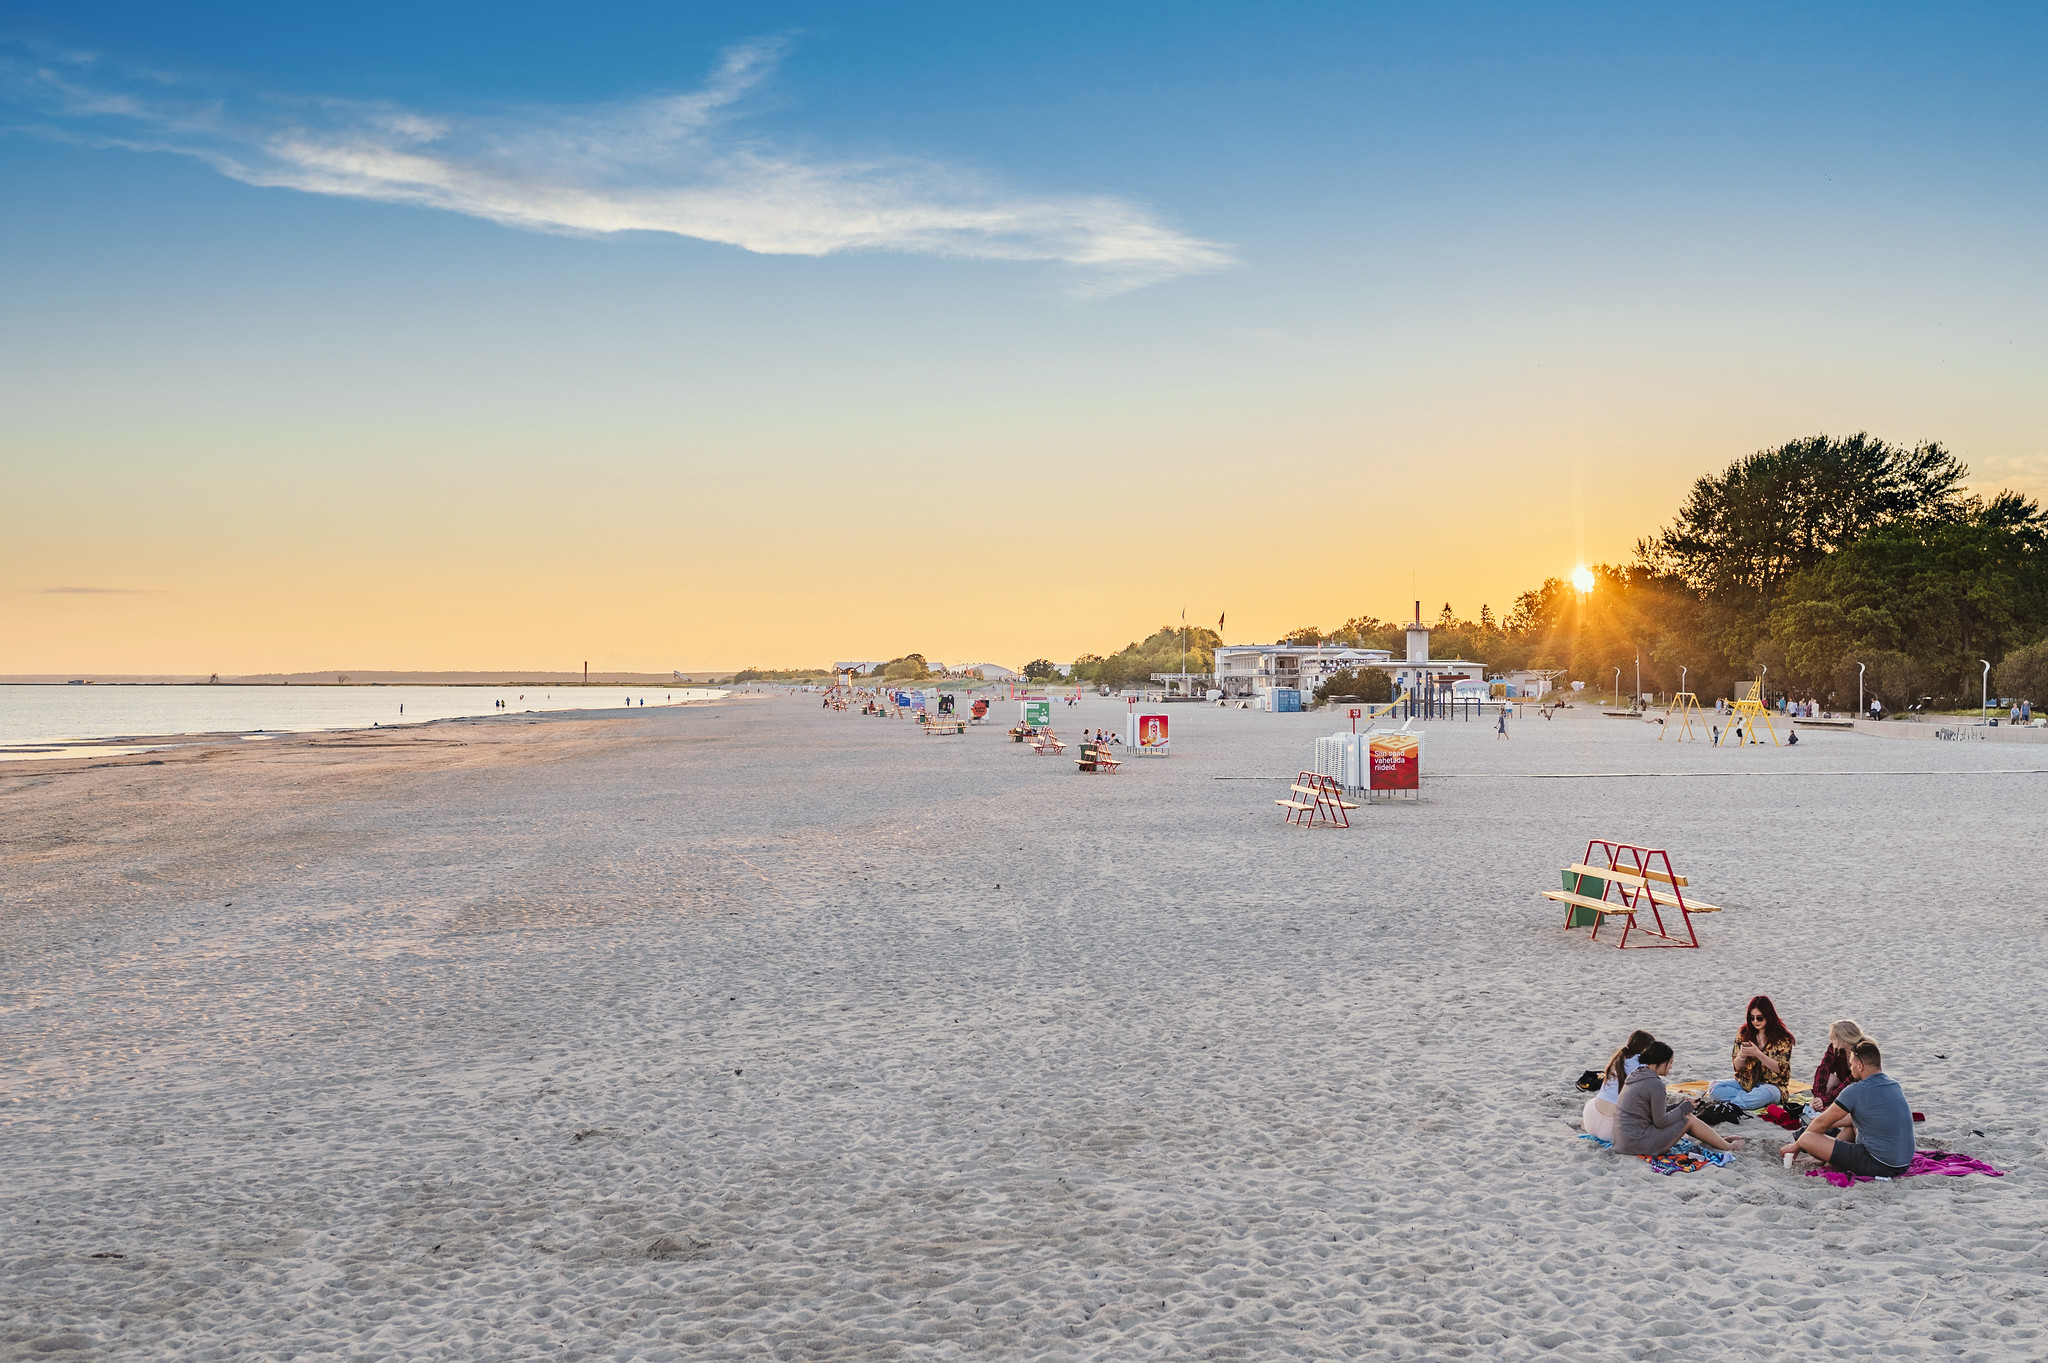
{"points": [[1096, 757], [1622, 880], [1313, 799]]}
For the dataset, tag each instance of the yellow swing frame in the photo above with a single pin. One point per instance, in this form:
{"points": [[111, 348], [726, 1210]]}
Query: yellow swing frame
{"points": [[1753, 708], [1685, 705]]}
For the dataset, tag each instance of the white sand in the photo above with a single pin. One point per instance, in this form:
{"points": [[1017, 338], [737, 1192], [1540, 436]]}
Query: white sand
{"points": [[709, 1034]]}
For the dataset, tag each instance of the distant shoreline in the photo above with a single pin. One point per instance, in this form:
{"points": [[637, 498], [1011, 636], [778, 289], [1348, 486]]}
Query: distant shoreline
{"points": [[332, 679]]}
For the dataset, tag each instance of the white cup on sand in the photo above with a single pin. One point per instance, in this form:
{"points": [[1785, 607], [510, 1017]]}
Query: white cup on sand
{"points": [[1788, 1158]]}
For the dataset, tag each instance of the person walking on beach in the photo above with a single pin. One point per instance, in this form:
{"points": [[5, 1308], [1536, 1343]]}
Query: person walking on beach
{"points": [[1646, 1123], [1762, 1058], [1502, 731], [1874, 1109]]}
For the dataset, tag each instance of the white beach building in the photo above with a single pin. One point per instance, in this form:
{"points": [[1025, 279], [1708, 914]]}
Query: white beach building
{"points": [[1255, 671]]}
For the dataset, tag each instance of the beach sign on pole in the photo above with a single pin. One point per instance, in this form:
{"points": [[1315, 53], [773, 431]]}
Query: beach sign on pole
{"points": [[1036, 712], [1396, 762]]}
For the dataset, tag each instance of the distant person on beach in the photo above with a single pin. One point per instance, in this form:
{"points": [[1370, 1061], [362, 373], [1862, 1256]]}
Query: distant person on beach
{"points": [[1832, 1074], [1502, 731], [1762, 1057], [1598, 1114], [1874, 1111], [1876, 708], [1645, 1123]]}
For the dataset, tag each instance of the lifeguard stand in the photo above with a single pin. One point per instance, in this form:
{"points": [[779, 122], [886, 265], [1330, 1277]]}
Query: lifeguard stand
{"points": [[1684, 707], [1753, 709]]}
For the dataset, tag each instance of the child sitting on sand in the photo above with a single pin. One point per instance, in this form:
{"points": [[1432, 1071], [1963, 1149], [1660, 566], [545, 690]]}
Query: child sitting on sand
{"points": [[1645, 1125], [1873, 1114], [1598, 1114], [1762, 1057]]}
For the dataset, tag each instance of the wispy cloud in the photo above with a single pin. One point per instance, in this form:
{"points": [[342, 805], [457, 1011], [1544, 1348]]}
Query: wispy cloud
{"points": [[682, 164], [95, 591]]}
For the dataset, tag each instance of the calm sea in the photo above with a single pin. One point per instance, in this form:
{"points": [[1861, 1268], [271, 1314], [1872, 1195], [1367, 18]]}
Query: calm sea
{"points": [[39, 721]]}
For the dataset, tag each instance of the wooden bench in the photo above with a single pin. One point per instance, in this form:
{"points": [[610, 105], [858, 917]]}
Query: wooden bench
{"points": [[947, 725], [1645, 881], [1045, 743], [1314, 798], [1649, 878], [1095, 757]]}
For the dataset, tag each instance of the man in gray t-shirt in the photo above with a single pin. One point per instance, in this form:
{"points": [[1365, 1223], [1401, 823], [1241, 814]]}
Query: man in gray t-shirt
{"points": [[1875, 1109]]}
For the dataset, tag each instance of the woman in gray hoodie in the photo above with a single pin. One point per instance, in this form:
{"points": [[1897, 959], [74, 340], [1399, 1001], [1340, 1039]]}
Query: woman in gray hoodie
{"points": [[1643, 1122]]}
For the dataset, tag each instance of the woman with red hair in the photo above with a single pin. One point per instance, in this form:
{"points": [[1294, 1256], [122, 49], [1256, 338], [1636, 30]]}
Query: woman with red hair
{"points": [[1762, 1059]]}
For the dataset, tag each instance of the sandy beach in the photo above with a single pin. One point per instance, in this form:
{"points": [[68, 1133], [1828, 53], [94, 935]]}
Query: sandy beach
{"points": [[757, 1031]]}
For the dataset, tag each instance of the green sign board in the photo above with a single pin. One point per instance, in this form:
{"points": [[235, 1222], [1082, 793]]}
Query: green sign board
{"points": [[1038, 713]]}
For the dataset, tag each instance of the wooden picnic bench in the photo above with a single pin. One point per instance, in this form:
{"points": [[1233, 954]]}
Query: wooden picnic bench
{"points": [[1046, 743], [1097, 757], [1315, 798], [945, 725], [1642, 878]]}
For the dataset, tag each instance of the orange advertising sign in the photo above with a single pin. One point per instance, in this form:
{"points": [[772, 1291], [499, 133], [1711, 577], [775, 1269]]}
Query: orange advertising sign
{"points": [[1396, 762]]}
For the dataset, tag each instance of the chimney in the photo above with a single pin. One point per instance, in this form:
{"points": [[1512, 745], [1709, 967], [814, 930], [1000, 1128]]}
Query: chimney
{"points": [[1418, 638]]}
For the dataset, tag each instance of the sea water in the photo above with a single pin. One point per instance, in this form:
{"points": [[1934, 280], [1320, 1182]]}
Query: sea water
{"points": [[40, 721]]}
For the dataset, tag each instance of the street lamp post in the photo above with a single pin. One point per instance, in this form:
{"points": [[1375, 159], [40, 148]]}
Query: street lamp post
{"points": [[1617, 687], [1859, 690], [1681, 679], [1637, 699], [1984, 701]]}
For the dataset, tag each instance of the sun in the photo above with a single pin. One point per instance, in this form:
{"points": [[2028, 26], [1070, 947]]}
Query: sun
{"points": [[1582, 578]]}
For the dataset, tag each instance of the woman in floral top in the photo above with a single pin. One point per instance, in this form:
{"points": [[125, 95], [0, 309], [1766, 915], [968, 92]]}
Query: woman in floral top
{"points": [[1762, 1059]]}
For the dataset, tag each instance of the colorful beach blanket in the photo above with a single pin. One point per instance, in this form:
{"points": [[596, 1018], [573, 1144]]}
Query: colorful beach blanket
{"points": [[1686, 1157], [1924, 1162]]}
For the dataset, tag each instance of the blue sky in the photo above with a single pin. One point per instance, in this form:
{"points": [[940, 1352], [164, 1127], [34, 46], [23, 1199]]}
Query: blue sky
{"points": [[1496, 282]]}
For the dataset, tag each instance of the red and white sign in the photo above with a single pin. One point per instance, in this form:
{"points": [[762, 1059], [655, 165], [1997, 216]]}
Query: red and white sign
{"points": [[1394, 762], [1148, 732]]}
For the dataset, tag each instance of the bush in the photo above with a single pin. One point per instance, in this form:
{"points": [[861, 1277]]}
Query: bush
{"points": [[1368, 684], [2024, 674]]}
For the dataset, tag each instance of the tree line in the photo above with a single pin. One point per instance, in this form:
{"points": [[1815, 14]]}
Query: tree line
{"points": [[1795, 564]]}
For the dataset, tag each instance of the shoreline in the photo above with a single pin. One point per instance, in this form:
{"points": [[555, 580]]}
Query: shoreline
{"points": [[59, 750]]}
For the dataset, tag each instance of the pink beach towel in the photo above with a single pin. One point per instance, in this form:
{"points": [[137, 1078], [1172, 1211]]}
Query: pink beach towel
{"points": [[1924, 1162]]}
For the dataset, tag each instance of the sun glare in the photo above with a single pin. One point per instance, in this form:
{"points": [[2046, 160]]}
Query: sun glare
{"points": [[1582, 578]]}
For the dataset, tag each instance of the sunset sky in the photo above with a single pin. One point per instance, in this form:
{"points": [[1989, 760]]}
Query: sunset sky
{"points": [[483, 335]]}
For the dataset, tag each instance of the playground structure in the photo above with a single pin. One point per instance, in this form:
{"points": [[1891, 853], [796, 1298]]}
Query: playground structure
{"points": [[1684, 707], [1640, 878], [1749, 712]]}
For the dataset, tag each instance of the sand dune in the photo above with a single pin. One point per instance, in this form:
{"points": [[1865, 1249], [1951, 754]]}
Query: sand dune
{"points": [[756, 1031]]}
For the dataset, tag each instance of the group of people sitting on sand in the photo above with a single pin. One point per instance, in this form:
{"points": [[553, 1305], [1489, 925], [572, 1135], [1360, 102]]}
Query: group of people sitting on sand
{"points": [[1859, 1120]]}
